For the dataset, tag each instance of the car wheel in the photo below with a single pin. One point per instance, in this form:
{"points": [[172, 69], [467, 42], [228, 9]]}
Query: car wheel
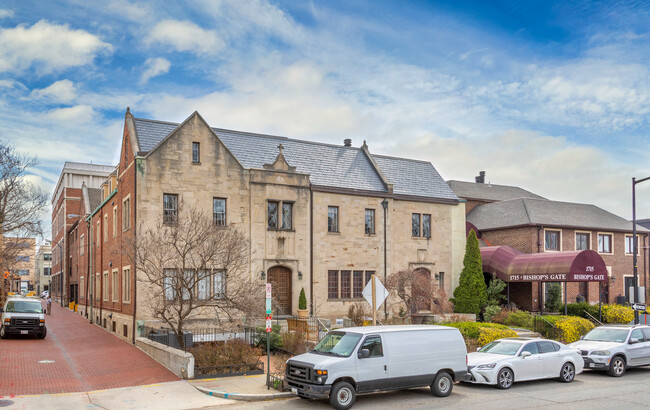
{"points": [[442, 385], [3, 333], [342, 396], [568, 373], [43, 334], [617, 367], [505, 378]]}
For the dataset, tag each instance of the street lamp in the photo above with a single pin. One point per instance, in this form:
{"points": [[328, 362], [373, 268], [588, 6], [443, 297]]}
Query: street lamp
{"points": [[62, 272], [635, 246]]}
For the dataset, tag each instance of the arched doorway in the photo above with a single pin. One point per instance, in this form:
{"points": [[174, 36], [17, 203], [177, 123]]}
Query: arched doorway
{"points": [[421, 290], [280, 278]]}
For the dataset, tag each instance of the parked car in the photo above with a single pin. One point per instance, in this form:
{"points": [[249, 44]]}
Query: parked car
{"points": [[22, 316], [378, 358], [509, 360], [614, 348], [45, 294]]}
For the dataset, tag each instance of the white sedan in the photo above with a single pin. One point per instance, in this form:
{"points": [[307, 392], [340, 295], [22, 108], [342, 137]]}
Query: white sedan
{"points": [[508, 360]]}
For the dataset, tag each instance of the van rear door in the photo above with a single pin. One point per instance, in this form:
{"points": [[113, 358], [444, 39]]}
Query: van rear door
{"points": [[372, 372]]}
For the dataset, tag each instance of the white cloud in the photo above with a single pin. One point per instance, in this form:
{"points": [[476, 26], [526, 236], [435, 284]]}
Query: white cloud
{"points": [[185, 36], [62, 91], [72, 115], [6, 13], [49, 47], [154, 67]]}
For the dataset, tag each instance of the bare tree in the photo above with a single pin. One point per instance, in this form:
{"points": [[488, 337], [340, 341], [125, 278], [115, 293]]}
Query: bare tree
{"points": [[195, 270], [418, 291]]}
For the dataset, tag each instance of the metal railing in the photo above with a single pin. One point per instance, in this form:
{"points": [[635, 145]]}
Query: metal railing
{"points": [[593, 319], [228, 370], [193, 336]]}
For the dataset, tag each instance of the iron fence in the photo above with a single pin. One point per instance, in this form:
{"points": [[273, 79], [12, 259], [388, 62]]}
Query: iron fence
{"points": [[193, 336], [228, 370], [276, 382]]}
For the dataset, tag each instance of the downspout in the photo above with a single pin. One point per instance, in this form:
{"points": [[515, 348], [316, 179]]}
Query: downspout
{"points": [[101, 274], [135, 227], [311, 251], [540, 293], [91, 275], [384, 204]]}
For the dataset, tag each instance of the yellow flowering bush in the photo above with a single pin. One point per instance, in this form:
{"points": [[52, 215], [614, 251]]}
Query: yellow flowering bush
{"points": [[568, 329], [489, 334], [617, 314]]}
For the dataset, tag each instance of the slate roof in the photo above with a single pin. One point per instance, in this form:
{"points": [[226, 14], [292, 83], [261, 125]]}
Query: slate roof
{"points": [[489, 192], [542, 212], [327, 165]]}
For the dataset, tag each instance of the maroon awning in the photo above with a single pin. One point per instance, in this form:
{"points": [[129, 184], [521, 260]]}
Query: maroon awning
{"points": [[511, 265]]}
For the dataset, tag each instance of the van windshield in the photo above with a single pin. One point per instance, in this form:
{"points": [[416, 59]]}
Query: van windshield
{"points": [[24, 306], [338, 344]]}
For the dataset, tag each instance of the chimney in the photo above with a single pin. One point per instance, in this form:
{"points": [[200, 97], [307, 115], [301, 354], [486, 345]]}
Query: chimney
{"points": [[480, 179], [347, 142]]}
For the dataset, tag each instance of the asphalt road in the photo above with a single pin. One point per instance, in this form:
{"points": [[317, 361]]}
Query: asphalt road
{"points": [[590, 390]]}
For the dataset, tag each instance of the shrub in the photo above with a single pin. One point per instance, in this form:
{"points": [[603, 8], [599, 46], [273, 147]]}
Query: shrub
{"points": [[617, 314], [554, 299], [568, 329], [472, 330], [490, 312], [357, 313], [489, 334], [470, 295], [234, 351], [495, 292], [275, 339], [519, 318], [294, 342], [302, 300], [578, 309]]}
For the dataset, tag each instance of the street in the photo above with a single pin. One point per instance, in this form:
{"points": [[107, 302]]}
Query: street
{"points": [[589, 390]]}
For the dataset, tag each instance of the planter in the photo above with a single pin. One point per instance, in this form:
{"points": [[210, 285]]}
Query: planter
{"points": [[303, 313]]}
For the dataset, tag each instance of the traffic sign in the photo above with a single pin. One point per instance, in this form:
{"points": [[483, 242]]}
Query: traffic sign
{"points": [[268, 306], [380, 293], [268, 325], [268, 291], [639, 307]]}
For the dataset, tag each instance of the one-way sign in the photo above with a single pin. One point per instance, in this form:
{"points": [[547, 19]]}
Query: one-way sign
{"points": [[639, 307]]}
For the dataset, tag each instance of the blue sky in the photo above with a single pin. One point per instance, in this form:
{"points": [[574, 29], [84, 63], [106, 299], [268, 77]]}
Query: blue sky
{"points": [[550, 96]]}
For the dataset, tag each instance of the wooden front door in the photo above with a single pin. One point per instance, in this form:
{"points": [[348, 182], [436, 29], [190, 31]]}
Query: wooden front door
{"points": [[280, 278], [421, 290]]}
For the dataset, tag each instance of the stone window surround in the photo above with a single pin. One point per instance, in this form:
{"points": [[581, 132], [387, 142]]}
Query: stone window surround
{"points": [[196, 152], [421, 226], [115, 284], [126, 284], [279, 215], [575, 237], [225, 211], [126, 213], [638, 248], [166, 219], [336, 229], [372, 230], [559, 240], [366, 276], [611, 243], [105, 286]]}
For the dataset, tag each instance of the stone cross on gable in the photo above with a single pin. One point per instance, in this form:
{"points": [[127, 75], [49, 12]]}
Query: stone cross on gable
{"points": [[280, 147]]}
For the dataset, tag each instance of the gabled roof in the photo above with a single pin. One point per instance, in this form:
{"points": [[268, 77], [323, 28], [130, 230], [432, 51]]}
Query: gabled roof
{"points": [[542, 212], [489, 192], [328, 165]]}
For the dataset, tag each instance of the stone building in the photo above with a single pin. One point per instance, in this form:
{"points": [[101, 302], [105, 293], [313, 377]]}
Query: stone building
{"points": [[318, 216], [514, 217], [43, 268], [22, 270]]}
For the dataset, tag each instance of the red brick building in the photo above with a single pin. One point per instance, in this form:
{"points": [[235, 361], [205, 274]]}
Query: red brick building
{"points": [[532, 224]]}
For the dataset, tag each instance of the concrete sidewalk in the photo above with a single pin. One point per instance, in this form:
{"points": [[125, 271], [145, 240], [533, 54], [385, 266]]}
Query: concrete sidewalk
{"points": [[247, 388]]}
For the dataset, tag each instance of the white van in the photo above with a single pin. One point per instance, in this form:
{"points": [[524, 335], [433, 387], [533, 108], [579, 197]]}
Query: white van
{"points": [[378, 358], [22, 316]]}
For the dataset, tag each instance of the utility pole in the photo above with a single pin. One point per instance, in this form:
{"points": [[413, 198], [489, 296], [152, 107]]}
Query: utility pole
{"points": [[635, 246]]}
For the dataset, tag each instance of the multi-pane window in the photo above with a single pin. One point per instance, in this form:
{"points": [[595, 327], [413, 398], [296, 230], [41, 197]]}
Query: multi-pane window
{"points": [[277, 220], [415, 225], [357, 284], [48, 256], [552, 240], [114, 221], [105, 287], [219, 284], [604, 243], [170, 208], [126, 282], [332, 219], [196, 152], [115, 288], [47, 271], [370, 222], [441, 279], [22, 258], [287, 209], [369, 274], [582, 241], [105, 227], [219, 211], [346, 291], [187, 285], [126, 214], [169, 284], [272, 215], [333, 284], [426, 226], [203, 285], [629, 245]]}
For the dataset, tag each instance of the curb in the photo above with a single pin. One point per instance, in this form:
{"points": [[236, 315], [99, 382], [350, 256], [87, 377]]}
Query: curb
{"points": [[244, 396]]}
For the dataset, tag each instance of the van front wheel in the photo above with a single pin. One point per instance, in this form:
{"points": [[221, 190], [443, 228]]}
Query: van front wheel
{"points": [[342, 396], [442, 385]]}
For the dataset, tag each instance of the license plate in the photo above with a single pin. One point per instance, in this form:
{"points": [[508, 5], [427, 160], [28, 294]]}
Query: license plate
{"points": [[23, 332], [294, 390], [592, 364]]}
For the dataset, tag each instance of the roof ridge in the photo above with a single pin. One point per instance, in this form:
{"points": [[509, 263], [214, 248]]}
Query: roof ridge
{"points": [[404, 159], [156, 121], [526, 209]]}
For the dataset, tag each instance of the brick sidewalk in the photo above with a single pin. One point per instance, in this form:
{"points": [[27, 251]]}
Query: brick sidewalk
{"points": [[85, 357]]}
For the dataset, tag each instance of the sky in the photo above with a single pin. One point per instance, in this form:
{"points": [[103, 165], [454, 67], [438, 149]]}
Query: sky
{"points": [[550, 96]]}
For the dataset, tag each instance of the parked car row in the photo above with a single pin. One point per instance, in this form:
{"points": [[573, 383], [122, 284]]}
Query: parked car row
{"points": [[371, 359]]}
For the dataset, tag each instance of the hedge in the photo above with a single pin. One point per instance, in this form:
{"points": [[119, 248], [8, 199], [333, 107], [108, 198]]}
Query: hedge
{"points": [[519, 318], [474, 330], [617, 314], [569, 329], [489, 334]]}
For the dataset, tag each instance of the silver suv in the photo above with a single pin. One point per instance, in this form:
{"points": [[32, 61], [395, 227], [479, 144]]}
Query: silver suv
{"points": [[22, 316], [614, 348]]}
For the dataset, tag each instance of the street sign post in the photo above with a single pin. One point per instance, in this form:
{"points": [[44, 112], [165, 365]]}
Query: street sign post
{"points": [[638, 307], [375, 294], [269, 326]]}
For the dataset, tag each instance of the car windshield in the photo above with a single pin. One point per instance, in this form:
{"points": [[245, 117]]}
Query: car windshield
{"points": [[23, 306], [338, 344], [504, 348], [607, 335]]}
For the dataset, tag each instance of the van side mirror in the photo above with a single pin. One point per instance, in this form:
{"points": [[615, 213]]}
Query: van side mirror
{"points": [[525, 354], [634, 340], [364, 354]]}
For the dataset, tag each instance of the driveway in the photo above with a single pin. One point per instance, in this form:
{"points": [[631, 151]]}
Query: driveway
{"points": [[74, 357]]}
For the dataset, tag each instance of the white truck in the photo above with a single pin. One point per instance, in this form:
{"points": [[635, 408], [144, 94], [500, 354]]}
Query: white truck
{"points": [[378, 358], [22, 316]]}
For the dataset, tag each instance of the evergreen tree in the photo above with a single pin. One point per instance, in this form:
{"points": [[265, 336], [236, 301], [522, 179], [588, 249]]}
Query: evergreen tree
{"points": [[302, 300], [471, 296]]}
